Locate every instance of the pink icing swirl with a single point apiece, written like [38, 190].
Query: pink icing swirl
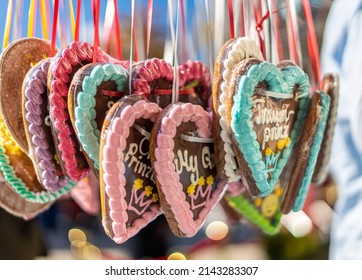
[62, 68]
[35, 88]
[194, 71]
[113, 170]
[152, 70]
[169, 179]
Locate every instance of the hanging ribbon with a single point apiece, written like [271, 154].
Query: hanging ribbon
[32, 18]
[131, 46]
[44, 20]
[209, 40]
[118, 30]
[175, 85]
[149, 25]
[242, 19]
[231, 19]
[277, 44]
[72, 19]
[77, 20]
[8, 24]
[183, 30]
[312, 45]
[54, 27]
[96, 8]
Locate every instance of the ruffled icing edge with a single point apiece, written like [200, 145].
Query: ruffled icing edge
[315, 148]
[242, 126]
[241, 49]
[113, 184]
[61, 68]
[88, 131]
[151, 70]
[16, 183]
[167, 177]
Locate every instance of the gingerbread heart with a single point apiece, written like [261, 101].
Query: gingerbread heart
[331, 87]
[194, 83]
[94, 89]
[18, 171]
[266, 111]
[16, 60]
[182, 157]
[291, 188]
[307, 153]
[18, 206]
[61, 71]
[128, 190]
[152, 79]
[42, 150]
[233, 52]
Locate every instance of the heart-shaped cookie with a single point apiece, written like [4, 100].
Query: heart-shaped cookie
[128, 190]
[233, 51]
[194, 83]
[94, 89]
[331, 87]
[18, 206]
[306, 153]
[42, 150]
[152, 79]
[16, 60]
[182, 157]
[291, 188]
[61, 71]
[18, 171]
[266, 111]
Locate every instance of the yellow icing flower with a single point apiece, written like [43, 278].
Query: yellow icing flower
[201, 181]
[258, 201]
[155, 197]
[191, 189]
[278, 191]
[148, 190]
[7, 141]
[210, 180]
[56, 159]
[287, 141]
[138, 184]
[281, 144]
[268, 152]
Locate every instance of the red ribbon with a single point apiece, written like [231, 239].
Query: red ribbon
[312, 45]
[96, 7]
[111, 93]
[77, 20]
[54, 27]
[161, 91]
[135, 40]
[118, 30]
[231, 19]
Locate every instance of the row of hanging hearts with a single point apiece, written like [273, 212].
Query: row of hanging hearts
[81, 132]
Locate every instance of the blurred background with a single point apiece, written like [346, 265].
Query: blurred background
[65, 231]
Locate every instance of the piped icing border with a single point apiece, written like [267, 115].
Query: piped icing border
[167, 176]
[85, 114]
[314, 151]
[241, 49]
[63, 67]
[7, 144]
[281, 81]
[113, 166]
[332, 90]
[152, 69]
[35, 87]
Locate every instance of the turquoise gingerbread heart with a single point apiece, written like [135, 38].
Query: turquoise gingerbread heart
[268, 112]
[85, 112]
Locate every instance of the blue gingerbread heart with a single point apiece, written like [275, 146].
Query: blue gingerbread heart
[267, 112]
